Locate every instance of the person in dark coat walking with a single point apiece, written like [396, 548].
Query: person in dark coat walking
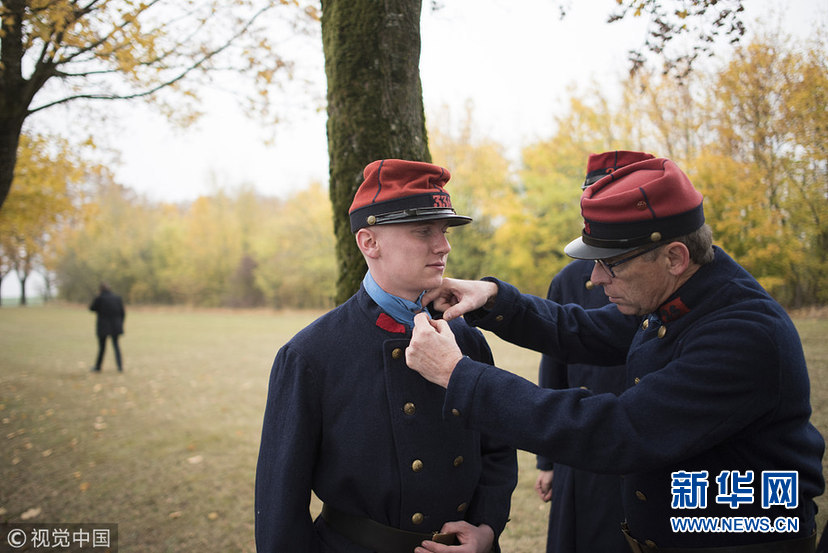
[109, 308]
[347, 420]
[712, 433]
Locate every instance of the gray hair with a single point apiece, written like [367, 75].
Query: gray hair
[699, 243]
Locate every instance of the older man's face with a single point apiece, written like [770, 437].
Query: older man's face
[640, 285]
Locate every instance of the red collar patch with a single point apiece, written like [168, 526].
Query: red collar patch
[387, 323]
[672, 310]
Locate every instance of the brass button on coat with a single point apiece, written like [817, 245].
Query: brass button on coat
[417, 465]
[662, 331]
[637, 380]
[458, 460]
[462, 507]
[499, 318]
[417, 518]
[640, 495]
[409, 408]
[455, 412]
[397, 353]
[645, 324]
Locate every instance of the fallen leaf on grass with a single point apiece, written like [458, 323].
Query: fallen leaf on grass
[213, 516]
[30, 513]
[194, 460]
[83, 486]
[176, 514]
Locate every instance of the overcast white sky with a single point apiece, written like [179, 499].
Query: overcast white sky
[513, 60]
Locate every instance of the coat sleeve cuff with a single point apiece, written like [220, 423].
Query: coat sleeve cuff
[500, 312]
[460, 391]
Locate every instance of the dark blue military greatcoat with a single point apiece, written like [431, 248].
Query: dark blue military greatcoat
[346, 418]
[585, 512]
[716, 380]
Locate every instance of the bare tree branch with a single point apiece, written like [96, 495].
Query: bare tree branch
[196, 65]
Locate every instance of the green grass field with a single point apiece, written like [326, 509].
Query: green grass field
[168, 449]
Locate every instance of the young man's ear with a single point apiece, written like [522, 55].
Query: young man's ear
[367, 243]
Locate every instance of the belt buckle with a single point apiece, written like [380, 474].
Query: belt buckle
[445, 539]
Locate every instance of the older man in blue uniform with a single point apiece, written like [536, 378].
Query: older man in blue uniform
[346, 419]
[712, 434]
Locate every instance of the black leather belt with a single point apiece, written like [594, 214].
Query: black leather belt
[378, 537]
[796, 545]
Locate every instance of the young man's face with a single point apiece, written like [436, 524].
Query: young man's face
[410, 257]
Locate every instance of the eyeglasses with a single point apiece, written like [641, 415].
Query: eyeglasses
[609, 266]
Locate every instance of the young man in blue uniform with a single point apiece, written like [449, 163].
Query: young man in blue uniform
[585, 507]
[346, 419]
[712, 434]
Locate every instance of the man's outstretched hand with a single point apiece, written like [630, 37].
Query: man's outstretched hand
[457, 297]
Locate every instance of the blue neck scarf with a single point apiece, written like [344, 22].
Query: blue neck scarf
[401, 310]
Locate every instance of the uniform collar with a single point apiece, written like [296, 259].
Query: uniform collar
[399, 309]
[692, 293]
[672, 310]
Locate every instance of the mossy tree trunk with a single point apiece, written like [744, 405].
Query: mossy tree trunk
[375, 105]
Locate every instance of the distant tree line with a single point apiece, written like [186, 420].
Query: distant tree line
[751, 134]
[230, 249]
